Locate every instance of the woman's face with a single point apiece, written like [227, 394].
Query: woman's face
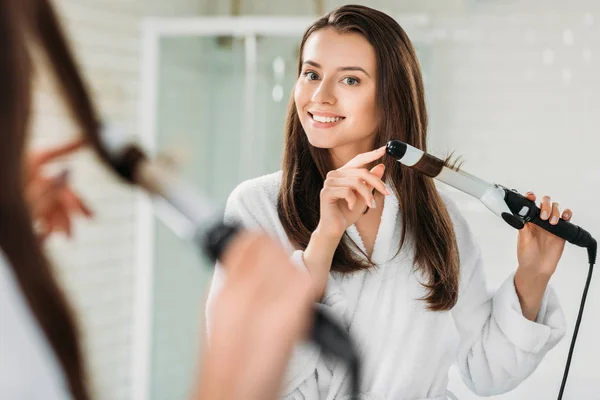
[335, 92]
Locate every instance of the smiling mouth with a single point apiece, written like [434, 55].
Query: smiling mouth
[326, 120]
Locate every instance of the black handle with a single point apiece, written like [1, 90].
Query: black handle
[333, 339]
[217, 239]
[529, 212]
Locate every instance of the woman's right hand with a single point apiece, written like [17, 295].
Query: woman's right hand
[262, 310]
[347, 192]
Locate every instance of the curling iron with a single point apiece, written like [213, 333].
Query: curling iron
[515, 209]
[194, 218]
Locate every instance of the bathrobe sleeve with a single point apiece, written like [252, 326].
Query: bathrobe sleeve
[499, 347]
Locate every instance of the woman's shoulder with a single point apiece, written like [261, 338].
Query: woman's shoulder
[254, 202]
[257, 191]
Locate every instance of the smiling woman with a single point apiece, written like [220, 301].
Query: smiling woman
[335, 94]
[407, 277]
[358, 64]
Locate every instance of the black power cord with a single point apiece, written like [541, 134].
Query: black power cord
[592, 249]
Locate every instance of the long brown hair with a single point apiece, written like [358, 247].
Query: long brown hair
[23, 24]
[401, 101]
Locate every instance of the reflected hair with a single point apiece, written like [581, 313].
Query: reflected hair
[27, 26]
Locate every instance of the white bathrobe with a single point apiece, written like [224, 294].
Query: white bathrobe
[29, 369]
[406, 350]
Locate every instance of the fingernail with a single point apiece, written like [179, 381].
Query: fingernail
[554, 220]
[544, 214]
[373, 204]
[567, 215]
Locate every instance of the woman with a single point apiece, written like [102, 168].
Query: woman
[387, 253]
[41, 356]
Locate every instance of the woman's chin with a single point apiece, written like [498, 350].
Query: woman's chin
[322, 141]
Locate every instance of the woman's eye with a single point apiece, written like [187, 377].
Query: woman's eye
[311, 76]
[351, 81]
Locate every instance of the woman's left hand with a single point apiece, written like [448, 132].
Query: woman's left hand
[52, 200]
[538, 251]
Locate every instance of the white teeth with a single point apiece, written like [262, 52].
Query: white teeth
[319, 118]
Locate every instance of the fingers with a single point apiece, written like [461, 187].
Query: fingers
[44, 156]
[365, 158]
[48, 194]
[356, 178]
[43, 197]
[378, 170]
[61, 222]
[372, 178]
[550, 211]
[332, 194]
[351, 182]
[42, 189]
[338, 188]
[530, 196]
[53, 204]
[44, 231]
[56, 220]
[74, 204]
[555, 214]
[545, 208]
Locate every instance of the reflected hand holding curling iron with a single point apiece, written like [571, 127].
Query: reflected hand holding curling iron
[194, 218]
[512, 207]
